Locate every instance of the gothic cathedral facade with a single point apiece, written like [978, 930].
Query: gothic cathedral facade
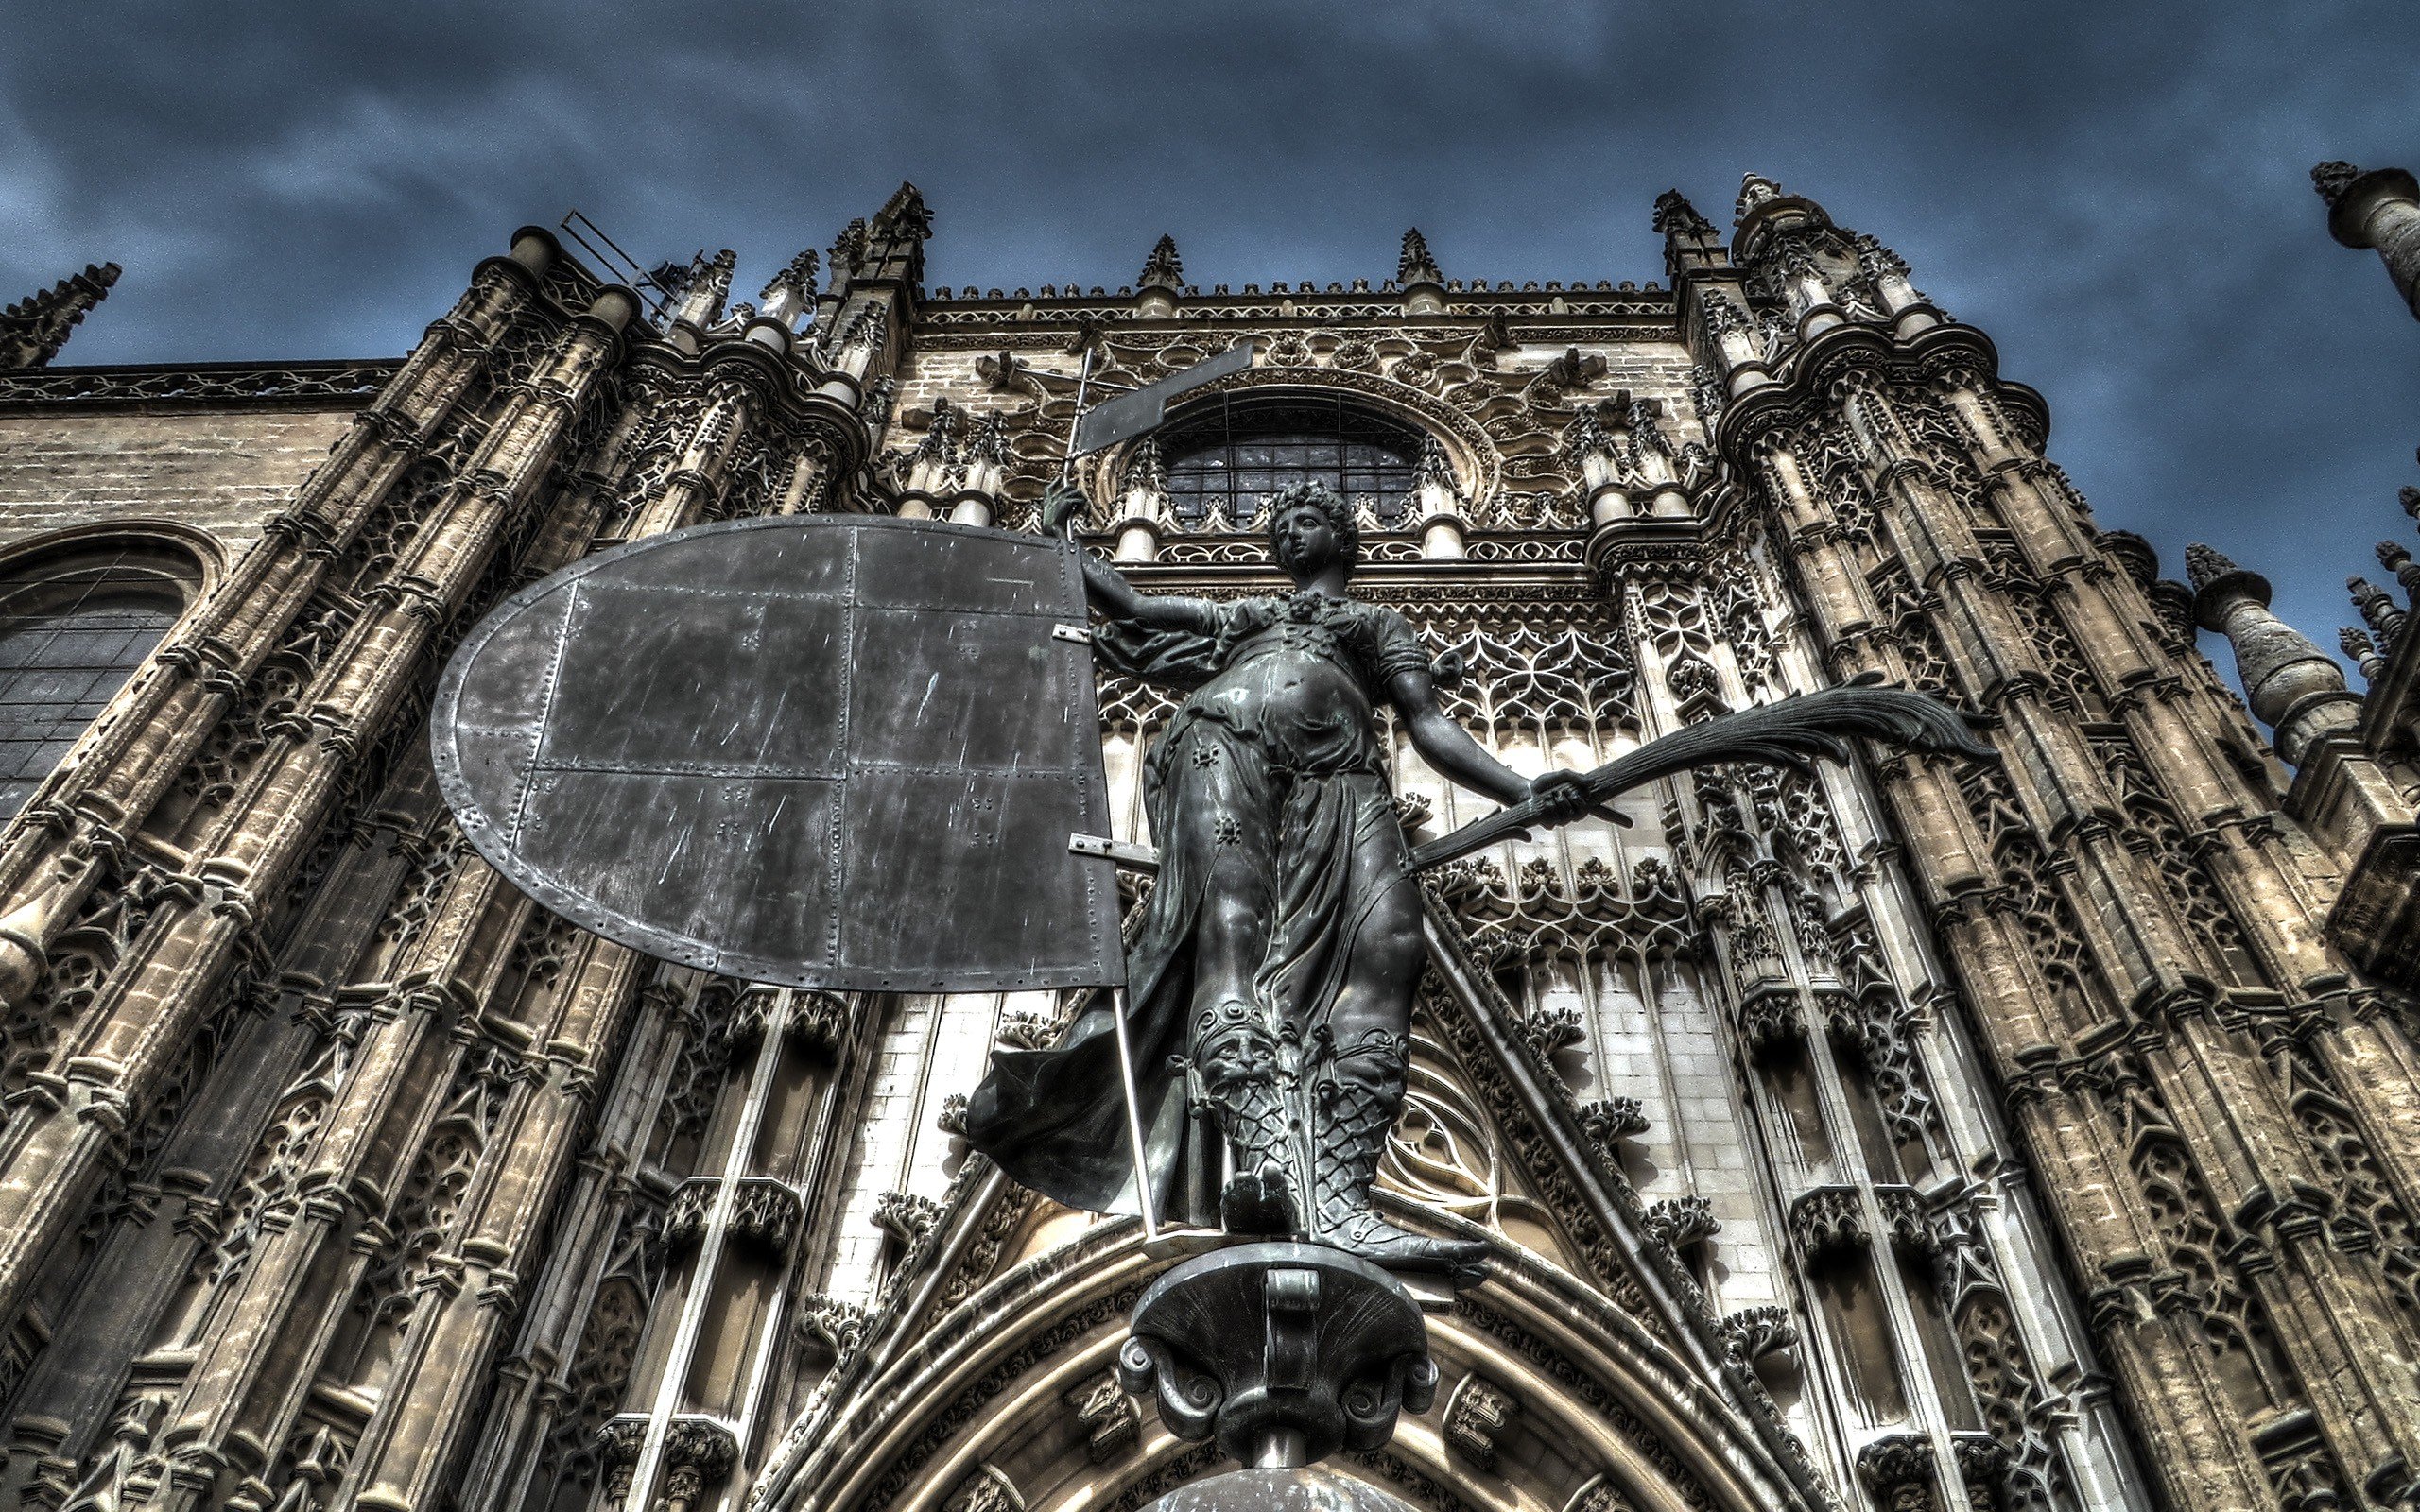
[1909, 1135]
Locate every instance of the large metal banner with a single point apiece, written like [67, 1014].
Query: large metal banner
[825, 750]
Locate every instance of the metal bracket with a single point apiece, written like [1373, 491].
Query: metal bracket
[1132, 857]
[1071, 632]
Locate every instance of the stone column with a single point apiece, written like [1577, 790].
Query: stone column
[55, 1150]
[2293, 686]
[2078, 1148]
[1417, 275]
[1141, 504]
[456, 1329]
[736, 1230]
[2379, 209]
[242, 1388]
[170, 709]
[1440, 505]
[985, 462]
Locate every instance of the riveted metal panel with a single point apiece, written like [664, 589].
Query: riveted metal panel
[824, 750]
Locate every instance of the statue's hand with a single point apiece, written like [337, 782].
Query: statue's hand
[1062, 501]
[1562, 796]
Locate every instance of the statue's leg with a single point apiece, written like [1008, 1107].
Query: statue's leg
[1361, 1094]
[1220, 820]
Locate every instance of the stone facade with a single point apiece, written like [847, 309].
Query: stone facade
[1905, 1135]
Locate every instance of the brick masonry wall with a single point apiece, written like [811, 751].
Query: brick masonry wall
[220, 470]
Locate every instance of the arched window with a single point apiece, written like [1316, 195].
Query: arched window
[74, 624]
[1233, 453]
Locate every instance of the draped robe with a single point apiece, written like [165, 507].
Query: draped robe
[1273, 761]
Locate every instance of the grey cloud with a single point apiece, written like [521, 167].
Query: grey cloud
[2117, 194]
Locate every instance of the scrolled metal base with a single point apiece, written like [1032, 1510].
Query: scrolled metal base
[1282, 1353]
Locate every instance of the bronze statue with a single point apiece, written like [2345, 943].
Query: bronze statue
[1273, 978]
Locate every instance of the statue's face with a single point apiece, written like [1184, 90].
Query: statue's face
[1306, 543]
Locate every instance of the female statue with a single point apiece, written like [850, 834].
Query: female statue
[1271, 985]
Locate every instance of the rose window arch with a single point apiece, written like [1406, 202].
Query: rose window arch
[1224, 459]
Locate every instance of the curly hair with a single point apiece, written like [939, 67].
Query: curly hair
[1317, 495]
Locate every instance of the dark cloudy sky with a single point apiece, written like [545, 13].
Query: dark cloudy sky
[2117, 192]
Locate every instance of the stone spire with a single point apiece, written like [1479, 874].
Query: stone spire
[2292, 686]
[2332, 179]
[1162, 269]
[2378, 609]
[1768, 220]
[33, 329]
[2409, 498]
[903, 216]
[1754, 189]
[1690, 240]
[1417, 275]
[1673, 216]
[1160, 282]
[2364, 652]
[890, 248]
[2394, 559]
[708, 286]
[790, 290]
[880, 260]
[2380, 210]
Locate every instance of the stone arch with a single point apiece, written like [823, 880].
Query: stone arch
[199, 556]
[80, 611]
[997, 1390]
[1478, 466]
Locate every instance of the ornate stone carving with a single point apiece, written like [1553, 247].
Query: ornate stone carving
[1161, 269]
[1769, 1015]
[1898, 1470]
[1107, 1415]
[698, 1452]
[905, 1216]
[819, 1022]
[33, 329]
[1600, 1495]
[1754, 1332]
[1825, 1220]
[1610, 1119]
[986, 1488]
[1681, 1222]
[1595, 918]
[1551, 1031]
[831, 1326]
[766, 1213]
[1983, 1466]
[1477, 1417]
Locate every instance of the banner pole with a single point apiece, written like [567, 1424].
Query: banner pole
[1143, 1194]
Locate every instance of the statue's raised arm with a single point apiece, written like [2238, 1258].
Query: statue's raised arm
[1107, 590]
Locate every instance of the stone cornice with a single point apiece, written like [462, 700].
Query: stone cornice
[319, 385]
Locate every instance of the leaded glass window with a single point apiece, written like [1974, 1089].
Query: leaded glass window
[73, 628]
[1230, 455]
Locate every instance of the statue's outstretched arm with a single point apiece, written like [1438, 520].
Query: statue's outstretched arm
[1449, 748]
[1107, 589]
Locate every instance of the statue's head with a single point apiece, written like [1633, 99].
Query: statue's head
[1309, 527]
